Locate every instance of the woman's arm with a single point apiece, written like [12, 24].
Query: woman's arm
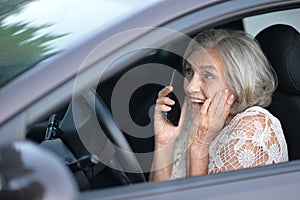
[204, 130]
[165, 136]
[162, 163]
[198, 160]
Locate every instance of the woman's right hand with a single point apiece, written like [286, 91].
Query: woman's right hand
[165, 132]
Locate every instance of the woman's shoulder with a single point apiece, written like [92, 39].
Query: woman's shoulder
[257, 114]
[256, 122]
[255, 111]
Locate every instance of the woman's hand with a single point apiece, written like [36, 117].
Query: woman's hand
[212, 117]
[165, 135]
[205, 128]
[165, 132]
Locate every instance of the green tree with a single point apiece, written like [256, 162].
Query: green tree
[9, 6]
[21, 47]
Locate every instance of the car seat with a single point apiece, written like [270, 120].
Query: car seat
[281, 45]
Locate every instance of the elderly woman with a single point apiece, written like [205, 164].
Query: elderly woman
[223, 125]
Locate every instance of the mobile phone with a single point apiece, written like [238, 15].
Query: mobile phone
[173, 115]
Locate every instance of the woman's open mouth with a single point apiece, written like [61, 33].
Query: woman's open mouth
[197, 103]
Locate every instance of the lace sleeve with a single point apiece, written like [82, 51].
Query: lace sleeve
[253, 139]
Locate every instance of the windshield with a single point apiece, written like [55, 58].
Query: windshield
[33, 30]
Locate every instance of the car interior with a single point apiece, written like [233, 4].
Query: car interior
[283, 57]
[70, 132]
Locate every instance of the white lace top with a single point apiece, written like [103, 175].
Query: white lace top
[252, 138]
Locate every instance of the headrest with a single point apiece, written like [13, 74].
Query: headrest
[281, 45]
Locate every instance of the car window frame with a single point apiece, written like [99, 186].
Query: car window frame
[183, 25]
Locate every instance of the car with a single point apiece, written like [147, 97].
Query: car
[79, 82]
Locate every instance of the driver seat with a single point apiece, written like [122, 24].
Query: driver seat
[281, 45]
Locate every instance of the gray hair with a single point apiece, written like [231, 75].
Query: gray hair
[247, 70]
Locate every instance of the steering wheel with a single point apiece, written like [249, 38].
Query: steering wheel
[124, 155]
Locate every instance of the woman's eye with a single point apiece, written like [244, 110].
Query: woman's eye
[209, 76]
[188, 71]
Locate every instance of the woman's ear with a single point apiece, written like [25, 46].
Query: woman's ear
[234, 107]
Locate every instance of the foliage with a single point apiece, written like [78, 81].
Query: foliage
[21, 45]
[9, 6]
[20, 41]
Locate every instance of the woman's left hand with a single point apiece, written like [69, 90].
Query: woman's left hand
[212, 118]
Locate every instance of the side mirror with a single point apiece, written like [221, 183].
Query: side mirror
[28, 171]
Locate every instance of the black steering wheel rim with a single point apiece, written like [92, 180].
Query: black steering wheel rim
[124, 153]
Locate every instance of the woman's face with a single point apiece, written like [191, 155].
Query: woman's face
[203, 77]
